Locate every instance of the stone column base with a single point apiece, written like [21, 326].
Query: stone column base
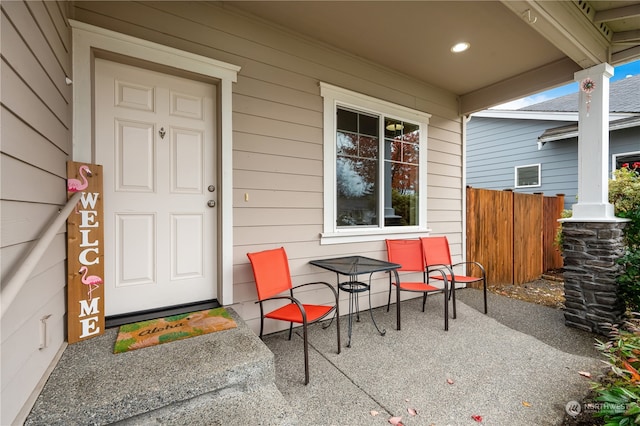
[590, 251]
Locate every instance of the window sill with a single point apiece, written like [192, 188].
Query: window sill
[345, 237]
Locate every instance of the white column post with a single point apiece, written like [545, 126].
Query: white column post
[593, 145]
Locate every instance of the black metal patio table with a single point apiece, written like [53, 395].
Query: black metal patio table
[352, 266]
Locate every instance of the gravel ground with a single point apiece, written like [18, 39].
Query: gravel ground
[547, 291]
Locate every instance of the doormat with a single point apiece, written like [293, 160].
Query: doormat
[176, 327]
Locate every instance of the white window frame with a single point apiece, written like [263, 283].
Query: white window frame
[614, 158]
[515, 175]
[334, 97]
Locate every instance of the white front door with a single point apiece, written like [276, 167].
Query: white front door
[155, 137]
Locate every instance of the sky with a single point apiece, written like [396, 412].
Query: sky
[619, 72]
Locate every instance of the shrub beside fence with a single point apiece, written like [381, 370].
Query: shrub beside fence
[512, 234]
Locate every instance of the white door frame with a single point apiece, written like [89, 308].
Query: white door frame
[88, 37]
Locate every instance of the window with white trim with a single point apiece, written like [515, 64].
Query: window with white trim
[630, 160]
[374, 167]
[528, 176]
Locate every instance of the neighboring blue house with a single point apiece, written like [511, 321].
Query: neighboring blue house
[542, 141]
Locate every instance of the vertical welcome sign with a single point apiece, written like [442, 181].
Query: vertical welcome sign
[85, 258]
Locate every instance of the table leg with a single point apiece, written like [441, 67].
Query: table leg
[383, 331]
[351, 308]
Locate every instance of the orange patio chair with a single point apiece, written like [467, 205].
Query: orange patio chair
[273, 281]
[408, 253]
[437, 255]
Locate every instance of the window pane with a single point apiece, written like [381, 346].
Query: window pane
[368, 147]
[401, 173]
[347, 120]
[368, 125]
[528, 176]
[401, 202]
[357, 169]
[357, 197]
[410, 153]
[411, 132]
[347, 144]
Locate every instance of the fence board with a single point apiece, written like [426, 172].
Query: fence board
[490, 233]
[512, 234]
[553, 207]
[527, 230]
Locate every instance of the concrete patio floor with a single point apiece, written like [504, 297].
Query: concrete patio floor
[519, 365]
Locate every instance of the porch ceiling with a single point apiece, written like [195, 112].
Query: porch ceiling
[517, 47]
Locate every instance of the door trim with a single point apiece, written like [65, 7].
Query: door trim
[86, 39]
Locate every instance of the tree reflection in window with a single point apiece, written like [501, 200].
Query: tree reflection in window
[361, 194]
[357, 168]
[402, 151]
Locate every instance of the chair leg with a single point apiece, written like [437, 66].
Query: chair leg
[338, 324]
[446, 306]
[306, 354]
[290, 330]
[453, 290]
[484, 282]
[424, 300]
[261, 326]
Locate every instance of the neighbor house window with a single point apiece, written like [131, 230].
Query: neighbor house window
[630, 160]
[527, 176]
[375, 167]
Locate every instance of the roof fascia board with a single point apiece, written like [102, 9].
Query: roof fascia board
[527, 115]
[625, 56]
[540, 115]
[573, 133]
[566, 27]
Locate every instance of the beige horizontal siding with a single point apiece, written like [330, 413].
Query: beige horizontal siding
[253, 179]
[278, 134]
[33, 184]
[33, 73]
[36, 142]
[38, 40]
[23, 102]
[21, 142]
[22, 221]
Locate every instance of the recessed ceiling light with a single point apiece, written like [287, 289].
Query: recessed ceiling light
[460, 47]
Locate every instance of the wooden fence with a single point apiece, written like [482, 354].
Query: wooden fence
[511, 234]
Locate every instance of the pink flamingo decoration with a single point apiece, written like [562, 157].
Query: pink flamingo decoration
[75, 185]
[93, 281]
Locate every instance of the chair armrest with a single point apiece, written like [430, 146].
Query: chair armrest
[472, 263]
[438, 267]
[335, 293]
[444, 276]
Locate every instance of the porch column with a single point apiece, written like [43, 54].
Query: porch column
[593, 236]
[593, 145]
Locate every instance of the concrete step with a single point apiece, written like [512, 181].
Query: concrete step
[204, 380]
[263, 405]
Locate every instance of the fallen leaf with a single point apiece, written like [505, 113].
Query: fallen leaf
[526, 404]
[584, 373]
[396, 421]
[450, 381]
[477, 418]
[412, 411]
[374, 413]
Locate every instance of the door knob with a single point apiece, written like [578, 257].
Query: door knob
[211, 203]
